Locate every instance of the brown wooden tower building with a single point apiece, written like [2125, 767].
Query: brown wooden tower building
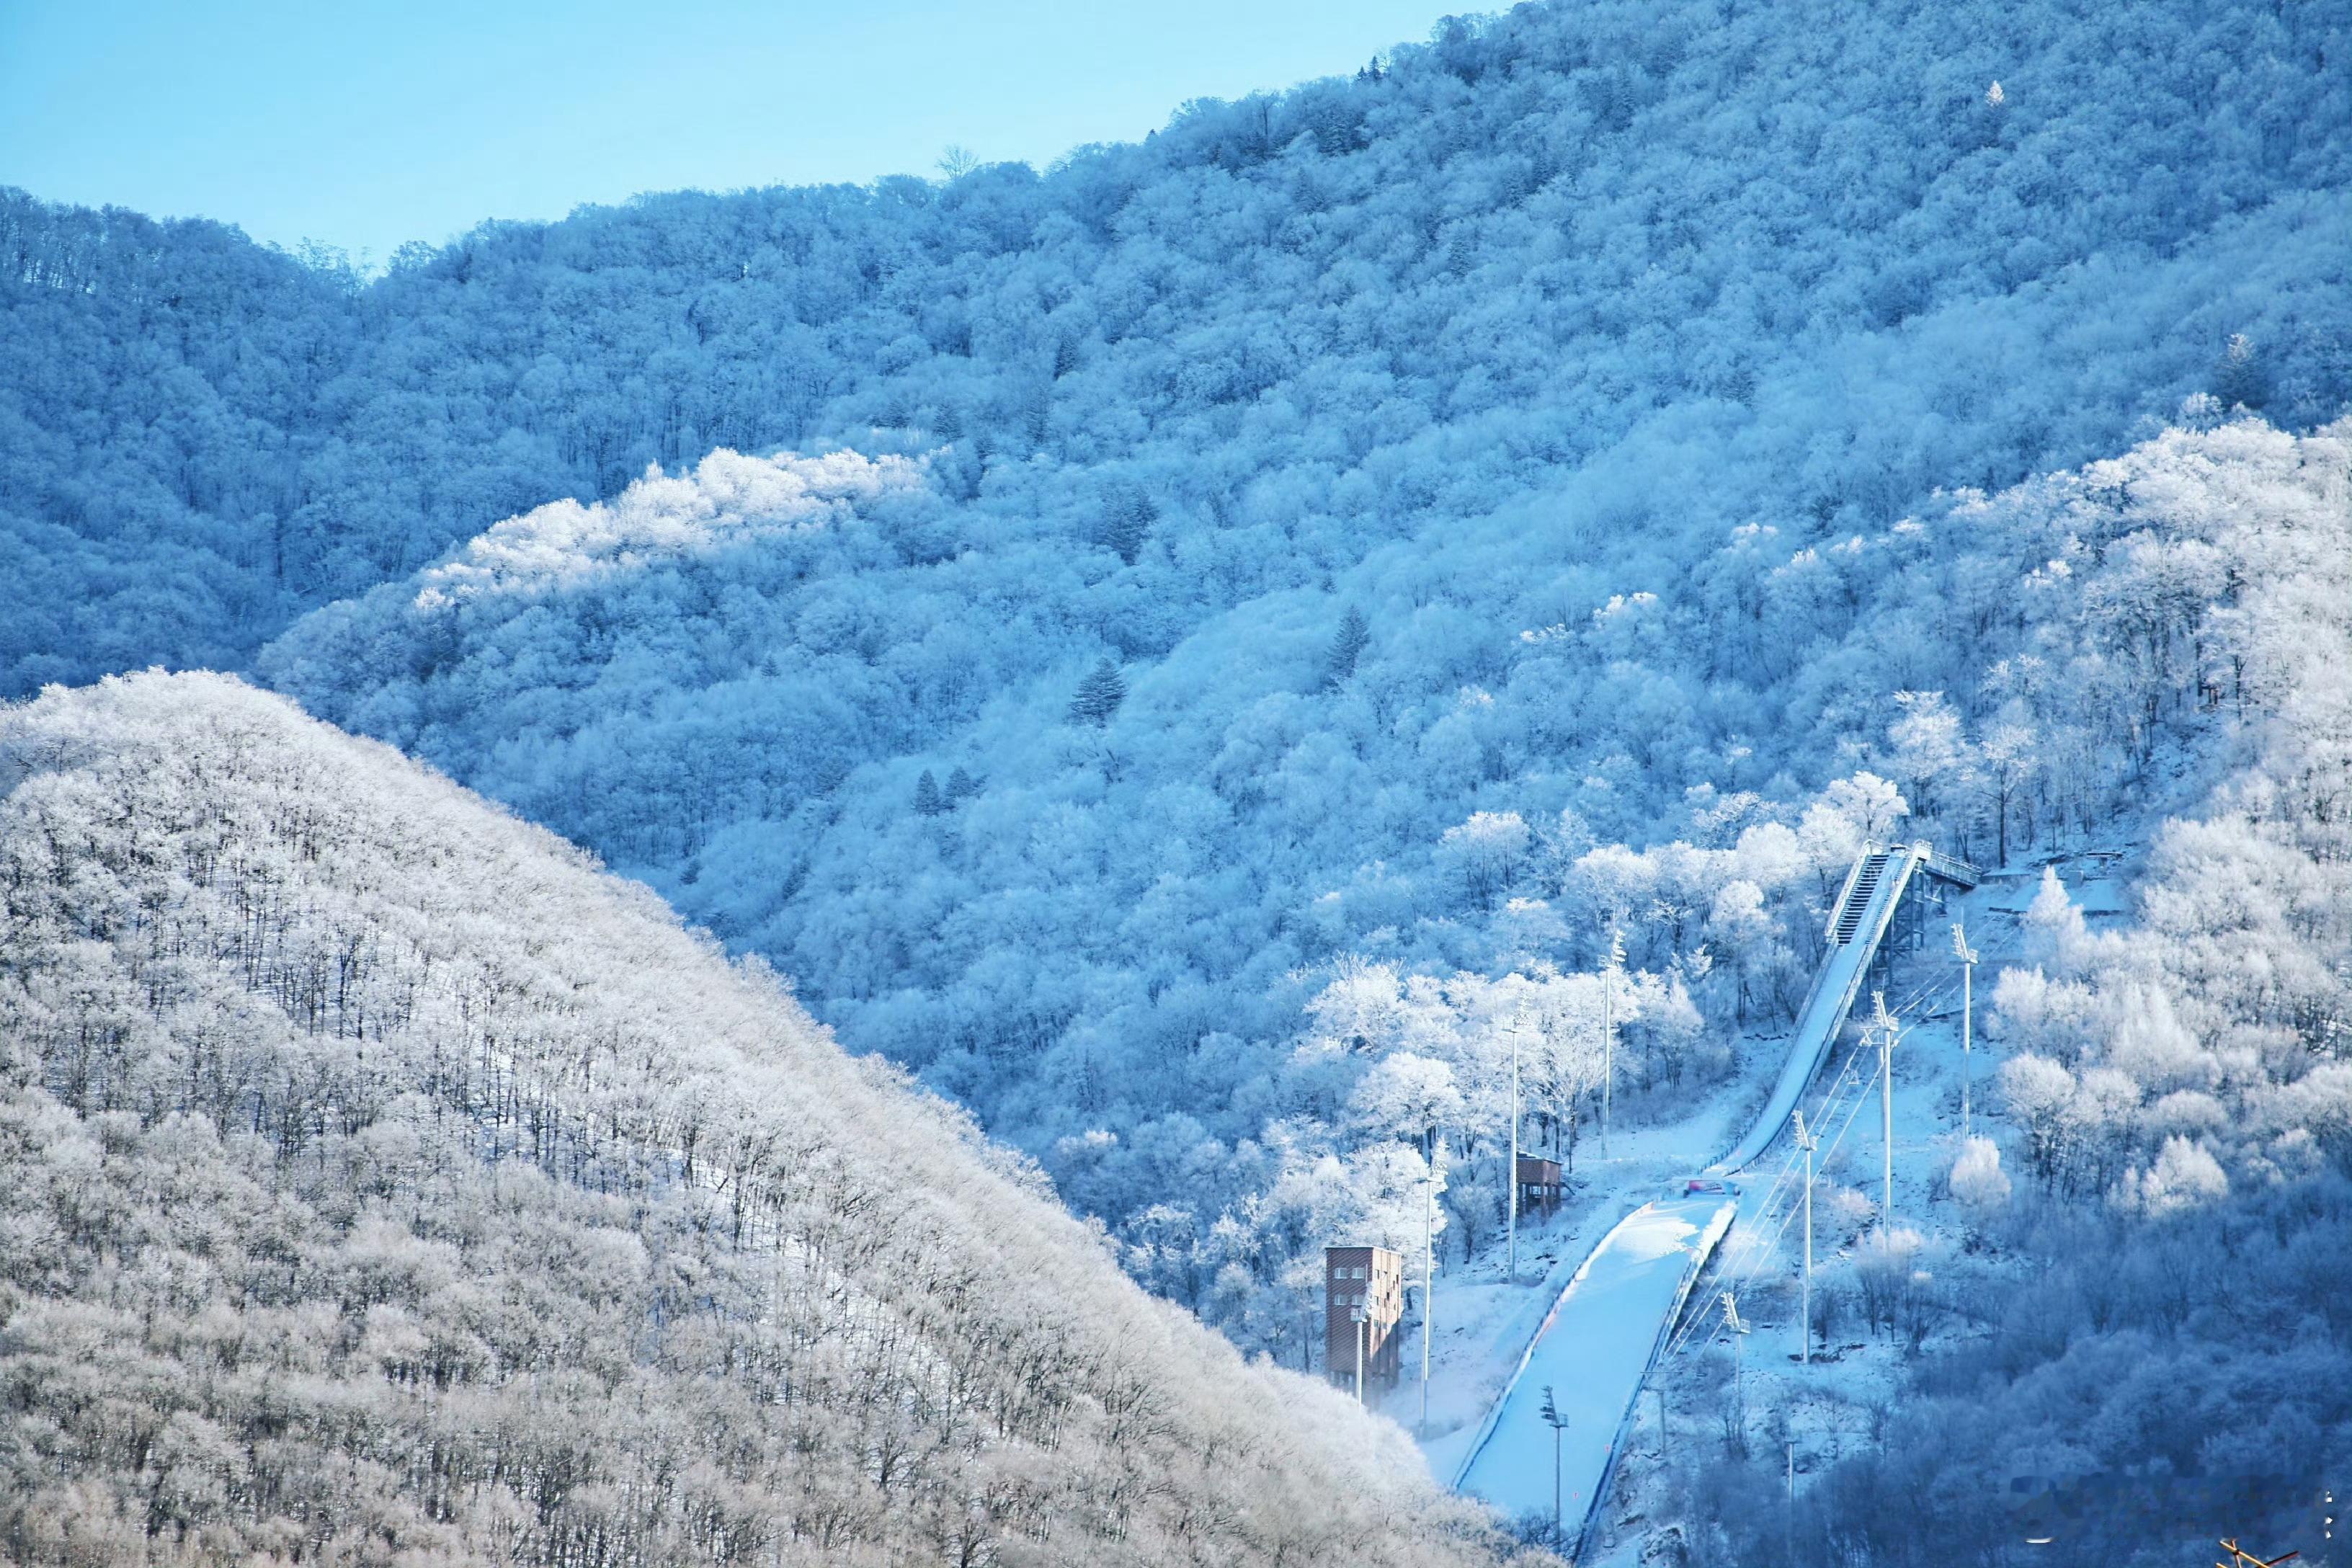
[1541, 1185]
[1370, 1279]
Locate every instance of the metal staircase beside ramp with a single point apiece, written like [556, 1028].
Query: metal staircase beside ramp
[1859, 889]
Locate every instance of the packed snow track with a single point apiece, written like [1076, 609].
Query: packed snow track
[1591, 1354]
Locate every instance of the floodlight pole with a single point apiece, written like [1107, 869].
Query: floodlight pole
[1968, 957]
[1807, 1142]
[1886, 1120]
[1558, 1423]
[1609, 1033]
[1428, 1271]
[1512, 1267]
[1788, 1537]
[1884, 1024]
[1738, 1338]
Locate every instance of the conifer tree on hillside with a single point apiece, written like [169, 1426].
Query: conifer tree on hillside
[928, 802]
[1347, 647]
[1126, 521]
[1099, 695]
[2237, 379]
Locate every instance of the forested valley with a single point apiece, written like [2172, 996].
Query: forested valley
[1180, 653]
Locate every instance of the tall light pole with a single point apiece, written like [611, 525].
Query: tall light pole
[1807, 1142]
[1558, 1423]
[1789, 1528]
[1884, 1022]
[1967, 957]
[1429, 1267]
[1512, 1266]
[1738, 1327]
[1609, 1031]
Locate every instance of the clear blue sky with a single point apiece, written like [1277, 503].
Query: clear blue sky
[363, 124]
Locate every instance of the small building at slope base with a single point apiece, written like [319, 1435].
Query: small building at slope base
[1540, 1185]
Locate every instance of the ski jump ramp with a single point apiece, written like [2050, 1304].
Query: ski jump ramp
[1593, 1352]
[1858, 922]
[1596, 1346]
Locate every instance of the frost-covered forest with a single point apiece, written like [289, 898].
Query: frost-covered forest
[1189, 653]
[1266, 590]
[386, 1185]
[2155, 1285]
[1153, 945]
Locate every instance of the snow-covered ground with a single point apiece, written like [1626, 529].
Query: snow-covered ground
[1485, 1322]
[1587, 1362]
[1589, 1349]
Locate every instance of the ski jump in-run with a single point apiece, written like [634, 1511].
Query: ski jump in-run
[1608, 1327]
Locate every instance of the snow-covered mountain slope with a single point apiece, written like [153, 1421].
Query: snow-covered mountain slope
[2110, 1313]
[1854, 252]
[1204, 653]
[1320, 527]
[1257, 916]
[2106, 1315]
[386, 1183]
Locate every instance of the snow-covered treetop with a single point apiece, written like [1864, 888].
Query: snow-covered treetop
[727, 499]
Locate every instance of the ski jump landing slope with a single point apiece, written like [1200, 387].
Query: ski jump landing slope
[1596, 1346]
[1592, 1352]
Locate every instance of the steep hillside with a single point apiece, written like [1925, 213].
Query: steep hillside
[2176, 1088]
[1816, 246]
[161, 411]
[1324, 527]
[1230, 658]
[1263, 912]
[386, 1185]
[1295, 551]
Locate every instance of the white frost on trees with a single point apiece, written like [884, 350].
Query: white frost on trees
[486, 1167]
[1977, 1178]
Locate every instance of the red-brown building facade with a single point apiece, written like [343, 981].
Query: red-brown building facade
[1541, 1185]
[1372, 1279]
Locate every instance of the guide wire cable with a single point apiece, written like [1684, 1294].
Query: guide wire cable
[1736, 1263]
[1746, 1259]
[1744, 1265]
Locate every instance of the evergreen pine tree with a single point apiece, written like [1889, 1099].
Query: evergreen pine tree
[1354, 636]
[928, 802]
[962, 785]
[1127, 519]
[2239, 379]
[1099, 695]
